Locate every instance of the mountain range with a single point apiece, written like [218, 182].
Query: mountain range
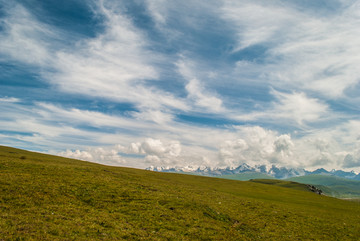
[273, 171]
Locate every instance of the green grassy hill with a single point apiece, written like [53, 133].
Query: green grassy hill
[44, 197]
[282, 183]
[246, 176]
[332, 185]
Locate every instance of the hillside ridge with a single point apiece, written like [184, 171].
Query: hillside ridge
[44, 197]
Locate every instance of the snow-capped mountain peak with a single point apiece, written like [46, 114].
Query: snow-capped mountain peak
[277, 172]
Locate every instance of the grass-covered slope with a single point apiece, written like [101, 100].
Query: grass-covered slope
[282, 183]
[332, 185]
[45, 197]
[246, 176]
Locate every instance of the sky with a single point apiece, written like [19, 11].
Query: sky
[142, 83]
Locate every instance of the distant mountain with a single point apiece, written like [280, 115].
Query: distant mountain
[283, 172]
[321, 171]
[336, 183]
[205, 171]
[273, 171]
[349, 175]
[357, 177]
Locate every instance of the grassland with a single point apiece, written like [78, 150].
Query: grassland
[332, 185]
[44, 197]
[246, 176]
[281, 183]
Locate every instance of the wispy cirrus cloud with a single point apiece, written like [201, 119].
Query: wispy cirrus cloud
[257, 23]
[299, 107]
[304, 51]
[174, 144]
[196, 91]
[9, 99]
[24, 38]
[181, 83]
[296, 109]
[114, 65]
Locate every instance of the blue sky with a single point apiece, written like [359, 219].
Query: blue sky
[178, 83]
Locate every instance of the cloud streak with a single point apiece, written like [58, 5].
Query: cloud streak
[157, 84]
[21, 41]
[304, 51]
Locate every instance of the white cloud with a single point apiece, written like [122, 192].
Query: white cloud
[255, 23]
[291, 109]
[155, 160]
[186, 13]
[115, 64]
[52, 126]
[9, 99]
[351, 161]
[24, 38]
[298, 107]
[304, 51]
[158, 10]
[77, 116]
[232, 146]
[197, 93]
[155, 149]
[107, 156]
[231, 152]
[311, 56]
[156, 116]
[283, 144]
[77, 154]
[255, 145]
[112, 65]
